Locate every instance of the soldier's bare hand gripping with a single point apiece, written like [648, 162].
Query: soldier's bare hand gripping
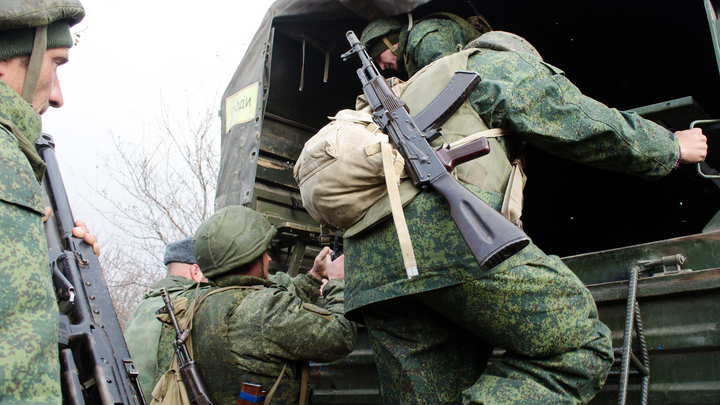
[324, 267]
[81, 231]
[693, 145]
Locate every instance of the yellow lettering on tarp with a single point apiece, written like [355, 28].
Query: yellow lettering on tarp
[240, 107]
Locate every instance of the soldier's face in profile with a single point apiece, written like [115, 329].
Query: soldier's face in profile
[386, 60]
[48, 93]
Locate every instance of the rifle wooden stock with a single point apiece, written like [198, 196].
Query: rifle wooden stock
[485, 230]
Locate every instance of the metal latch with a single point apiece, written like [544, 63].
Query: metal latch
[670, 265]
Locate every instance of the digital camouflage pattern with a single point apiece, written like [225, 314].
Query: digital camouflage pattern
[536, 101]
[250, 334]
[29, 365]
[143, 329]
[554, 354]
[436, 36]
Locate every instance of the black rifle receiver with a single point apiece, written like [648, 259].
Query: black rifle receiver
[490, 236]
[95, 365]
[197, 390]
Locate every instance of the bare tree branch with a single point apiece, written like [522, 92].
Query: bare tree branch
[162, 189]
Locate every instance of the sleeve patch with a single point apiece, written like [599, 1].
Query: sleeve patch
[314, 309]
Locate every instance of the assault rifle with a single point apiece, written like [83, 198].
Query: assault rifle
[490, 236]
[95, 365]
[197, 391]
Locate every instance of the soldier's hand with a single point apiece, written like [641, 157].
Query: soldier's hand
[319, 269]
[81, 231]
[48, 212]
[336, 268]
[693, 145]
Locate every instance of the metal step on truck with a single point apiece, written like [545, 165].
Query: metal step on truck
[649, 252]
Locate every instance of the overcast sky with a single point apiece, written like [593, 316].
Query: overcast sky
[130, 55]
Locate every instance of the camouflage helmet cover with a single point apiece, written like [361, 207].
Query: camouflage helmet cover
[29, 27]
[230, 239]
[373, 34]
[37, 13]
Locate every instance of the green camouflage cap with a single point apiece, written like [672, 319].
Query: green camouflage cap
[29, 27]
[38, 13]
[230, 239]
[372, 36]
[18, 20]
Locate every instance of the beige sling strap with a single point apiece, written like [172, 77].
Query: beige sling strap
[488, 133]
[513, 199]
[397, 212]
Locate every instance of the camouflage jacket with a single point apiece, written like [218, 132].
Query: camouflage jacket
[29, 365]
[542, 107]
[143, 329]
[248, 334]
[436, 36]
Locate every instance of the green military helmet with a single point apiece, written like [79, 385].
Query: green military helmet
[230, 239]
[29, 27]
[380, 35]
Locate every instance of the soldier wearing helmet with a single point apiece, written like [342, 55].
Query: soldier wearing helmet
[34, 41]
[394, 46]
[432, 334]
[258, 328]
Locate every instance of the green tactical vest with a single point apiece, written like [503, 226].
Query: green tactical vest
[490, 172]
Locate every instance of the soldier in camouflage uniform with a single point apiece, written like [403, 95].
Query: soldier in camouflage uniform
[260, 326]
[29, 366]
[395, 47]
[432, 334]
[142, 332]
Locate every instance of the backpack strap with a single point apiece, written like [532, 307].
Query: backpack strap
[304, 377]
[196, 302]
[270, 393]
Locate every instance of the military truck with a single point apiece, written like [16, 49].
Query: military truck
[648, 251]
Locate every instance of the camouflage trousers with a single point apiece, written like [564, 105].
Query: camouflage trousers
[433, 347]
[29, 365]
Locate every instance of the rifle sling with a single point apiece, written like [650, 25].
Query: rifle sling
[397, 212]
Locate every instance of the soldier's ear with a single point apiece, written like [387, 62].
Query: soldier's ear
[196, 274]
